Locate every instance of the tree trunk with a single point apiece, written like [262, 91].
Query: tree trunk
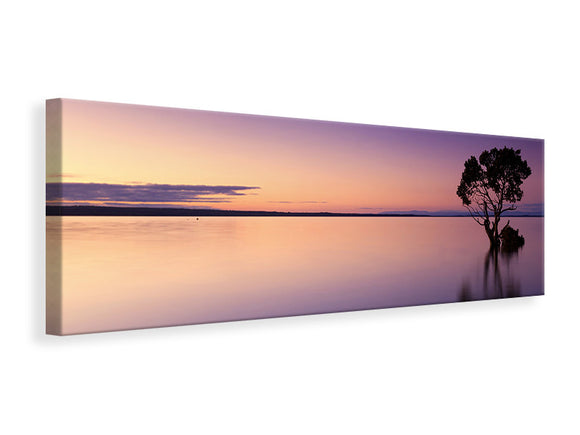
[496, 228]
[492, 234]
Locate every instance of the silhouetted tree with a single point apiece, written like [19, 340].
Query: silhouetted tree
[491, 186]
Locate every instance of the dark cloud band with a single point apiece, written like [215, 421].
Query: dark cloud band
[158, 193]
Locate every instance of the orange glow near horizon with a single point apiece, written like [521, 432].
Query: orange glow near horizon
[298, 165]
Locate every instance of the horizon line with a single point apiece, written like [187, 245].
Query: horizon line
[97, 210]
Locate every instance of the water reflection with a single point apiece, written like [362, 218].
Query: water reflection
[132, 272]
[498, 279]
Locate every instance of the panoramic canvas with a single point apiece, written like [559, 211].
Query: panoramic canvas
[160, 217]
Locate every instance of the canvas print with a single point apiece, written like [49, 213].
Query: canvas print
[162, 217]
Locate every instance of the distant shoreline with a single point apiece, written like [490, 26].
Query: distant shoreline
[52, 210]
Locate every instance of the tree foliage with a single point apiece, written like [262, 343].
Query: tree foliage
[491, 186]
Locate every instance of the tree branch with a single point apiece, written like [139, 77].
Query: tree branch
[477, 216]
[510, 208]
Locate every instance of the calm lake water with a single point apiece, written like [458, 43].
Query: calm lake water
[136, 272]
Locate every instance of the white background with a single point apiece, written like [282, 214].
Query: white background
[496, 367]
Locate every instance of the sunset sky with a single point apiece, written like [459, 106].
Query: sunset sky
[119, 154]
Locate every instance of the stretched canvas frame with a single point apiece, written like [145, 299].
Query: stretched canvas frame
[162, 217]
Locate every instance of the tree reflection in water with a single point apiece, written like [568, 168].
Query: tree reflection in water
[497, 281]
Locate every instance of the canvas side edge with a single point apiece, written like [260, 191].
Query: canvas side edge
[53, 138]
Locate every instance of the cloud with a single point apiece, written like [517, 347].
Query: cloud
[537, 207]
[58, 175]
[298, 202]
[142, 193]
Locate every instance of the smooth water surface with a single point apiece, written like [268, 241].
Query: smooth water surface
[136, 272]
